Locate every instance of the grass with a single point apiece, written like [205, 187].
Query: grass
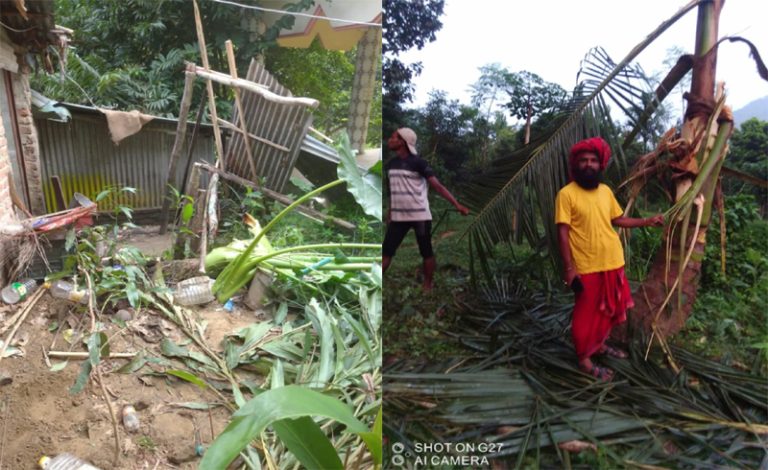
[146, 442]
[417, 321]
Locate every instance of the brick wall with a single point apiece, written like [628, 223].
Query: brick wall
[29, 141]
[6, 208]
[8, 62]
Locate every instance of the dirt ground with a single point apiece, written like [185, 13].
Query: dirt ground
[39, 416]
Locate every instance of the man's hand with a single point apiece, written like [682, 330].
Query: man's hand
[655, 221]
[388, 217]
[569, 275]
[463, 210]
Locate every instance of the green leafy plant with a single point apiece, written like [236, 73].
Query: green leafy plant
[287, 409]
[184, 204]
[365, 188]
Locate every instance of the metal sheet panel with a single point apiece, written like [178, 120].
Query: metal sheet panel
[283, 124]
[82, 155]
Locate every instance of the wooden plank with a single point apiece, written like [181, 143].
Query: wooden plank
[240, 115]
[178, 144]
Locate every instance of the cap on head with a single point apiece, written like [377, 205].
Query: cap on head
[410, 139]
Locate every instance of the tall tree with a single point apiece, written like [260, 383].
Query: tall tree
[529, 96]
[489, 88]
[407, 24]
[487, 92]
[446, 128]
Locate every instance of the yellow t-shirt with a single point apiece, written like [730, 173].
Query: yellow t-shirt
[595, 245]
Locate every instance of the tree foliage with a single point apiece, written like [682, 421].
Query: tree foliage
[488, 90]
[524, 94]
[407, 24]
[748, 150]
[529, 95]
[130, 54]
[326, 76]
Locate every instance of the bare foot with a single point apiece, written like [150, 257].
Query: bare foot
[613, 352]
[602, 373]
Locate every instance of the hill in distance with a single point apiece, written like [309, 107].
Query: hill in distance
[757, 109]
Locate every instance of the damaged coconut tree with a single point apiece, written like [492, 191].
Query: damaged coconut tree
[526, 182]
[692, 159]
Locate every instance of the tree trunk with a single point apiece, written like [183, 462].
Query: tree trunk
[528, 125]
[654, 291]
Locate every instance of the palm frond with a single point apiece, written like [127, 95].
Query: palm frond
[526, 183]
[527, 395]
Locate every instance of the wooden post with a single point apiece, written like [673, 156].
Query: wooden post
[209, 87]
[197, 225]
[240, 115]
[178, 144]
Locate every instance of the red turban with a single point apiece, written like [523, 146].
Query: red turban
[594, 145]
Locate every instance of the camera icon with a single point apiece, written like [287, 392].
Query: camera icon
[398, 460]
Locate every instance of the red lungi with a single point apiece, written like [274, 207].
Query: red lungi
[599, 307]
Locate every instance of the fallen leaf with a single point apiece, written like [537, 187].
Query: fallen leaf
[506, 429]
[59, 366]
[577, 446]
[68, 335]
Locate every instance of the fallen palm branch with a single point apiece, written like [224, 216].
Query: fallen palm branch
[528, 396]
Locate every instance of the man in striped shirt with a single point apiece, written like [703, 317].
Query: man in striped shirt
[408, 175]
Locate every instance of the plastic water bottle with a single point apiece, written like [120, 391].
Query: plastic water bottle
[66, 290]
[194, 291]
[130, 419]
[18, 291]
[64, 462]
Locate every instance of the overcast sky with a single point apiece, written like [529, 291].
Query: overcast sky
[550, 37]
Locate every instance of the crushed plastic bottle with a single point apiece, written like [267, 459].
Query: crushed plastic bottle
[64, 462]
[194, 291]
[18, 291]
[66, 290]
[130, 419]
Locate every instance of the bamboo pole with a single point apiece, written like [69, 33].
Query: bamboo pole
[220, 162]
[281, 198]
[320, 134]
[240, 115]
[253, 87]
[178, 144]
[27, 308]
[84, 355]
[209, 86]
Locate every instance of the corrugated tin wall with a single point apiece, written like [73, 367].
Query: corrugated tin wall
[282, 124]
[82, 154]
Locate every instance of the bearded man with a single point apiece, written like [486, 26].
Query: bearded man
[593, 259]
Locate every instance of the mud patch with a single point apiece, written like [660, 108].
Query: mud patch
[38, 415]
